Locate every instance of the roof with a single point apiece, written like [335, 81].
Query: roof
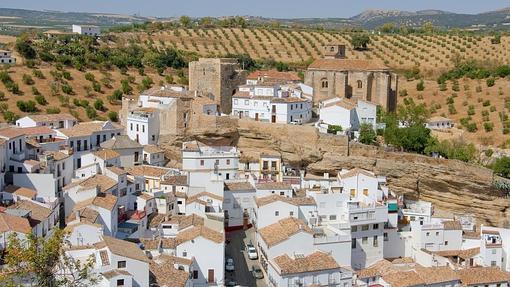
[282, 230]
[343, 103]
[185, 221]
[346, 65]
[482, 275]
[106, 154]
[240, 94]
[239, 186]
[289, 100]
[313, 262]
[439, 119]
[114, 273]
[87, 215]
[52, 117]
[23, 191]
[13, 132]
[116, 170]
[181, 180]
[87, 128]
[452, 225]
[403, 279]
[147, 170]
[196, 197]
[273, 185]
[166, 92]
[120, 142]
[57, 155]
[273, 74]
[122, 248]
[298, 201]
[152, 149]
[105, 200]
[38, 212]
[464, 254]
[14, 223]
[435, 275]
[165, 274]
[203, 231]
[103, 182]
[356, 172]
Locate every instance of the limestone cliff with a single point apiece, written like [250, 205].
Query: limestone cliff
[450, 185]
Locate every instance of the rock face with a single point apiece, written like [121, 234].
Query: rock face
[450, 185]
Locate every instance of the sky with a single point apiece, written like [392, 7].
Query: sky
[265, 8]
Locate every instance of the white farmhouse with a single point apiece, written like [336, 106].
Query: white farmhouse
[54, 121]
[7, 58]
[437, 123]
[87, 30]
[348, 114]
[143, 126]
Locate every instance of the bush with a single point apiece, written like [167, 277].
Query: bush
[99, 105]
[2, 96]
[113, 116]
[24, 47]
[10, 117]
[502, 166]
[488, 127]
[125, 87]
[90, 77]
[27, 106]
[420, 86]
[333, 129]
[53, 110]
[91, 112]
[146, 83]
[67, 89]
[471, 127]
[367, 134]
[67, 75]
[491, 82]
[486, 103]
[41, 100]
[97, 87]
[403, 93]
[27, 79]
[81, 103]
[38, 74]
[458, 150]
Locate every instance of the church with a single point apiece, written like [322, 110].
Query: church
[336, 76]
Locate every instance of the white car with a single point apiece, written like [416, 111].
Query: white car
[252, 252]
[229, 266]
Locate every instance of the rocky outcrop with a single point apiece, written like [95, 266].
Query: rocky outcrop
[450, 185]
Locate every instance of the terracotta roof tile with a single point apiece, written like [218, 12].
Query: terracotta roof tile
[120, 142]
[152, 149]
[203, 231]
[38, 211]
[282, 230]
[274, 74]
[273, 185]
[14, 223]
[314, 262]
[147, 170]
[452, 225]
[181, 180]
[239, 186]
[114, 273]
[88, 128]
[298, 201]
[106, 201]
[106, 154]
[346, 65]
[122, 248]
[482, 275]
[165, 274]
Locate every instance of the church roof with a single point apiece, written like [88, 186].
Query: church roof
[346, 65]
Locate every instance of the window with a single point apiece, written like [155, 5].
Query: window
[131, 126]
[437, 233]
[201, 162]
[446, 243]
[360, 84]
[276, 213]
[353, 192]
[291, 213]
[364, 240]
[228, 161]
[376, 241]
[121, 264]
[364, 227]
[493, 263]
[246, 102]
[354, 228]
[376, 226]
[120, 282]
[332, 217]
[184, 254]
[143, 128]
[235, 101]
[137, 127]
[353, 243]
[427, 234]
[195, 274]
[282, 192]
[385, 236]
[324, 83]
[365, 191]
[493, 251]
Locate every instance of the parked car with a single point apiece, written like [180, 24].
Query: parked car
[257, 272]
[252, 252]
[229, 266]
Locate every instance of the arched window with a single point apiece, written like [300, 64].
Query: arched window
[360, 84]
[324, 83]
[332, 49]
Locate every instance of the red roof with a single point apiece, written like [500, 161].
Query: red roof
[273, 74]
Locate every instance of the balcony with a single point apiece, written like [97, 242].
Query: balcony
[19, 156]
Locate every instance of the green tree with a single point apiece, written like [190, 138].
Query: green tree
[420, 86]
[502, 166]
[113, 116]
[24, 47]
[99, 105]
[367, 134]
[360, 41]
[388, 28]
[185, 21]
[45, 263]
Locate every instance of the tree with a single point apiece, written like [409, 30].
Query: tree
[99, 105]
[45, 262]
[420, 86]
[502, 166]
[360, 41]
[367, 134]
[185, 21]
[24, 47]
[334, 129]
[388, 28]
[113, 116]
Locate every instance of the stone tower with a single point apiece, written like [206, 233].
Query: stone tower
[218, 77]
[334, 51]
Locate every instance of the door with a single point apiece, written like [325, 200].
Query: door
[273, 118]
[210, 276]
[256, 116]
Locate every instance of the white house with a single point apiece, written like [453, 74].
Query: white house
[7, 58]
[143, 125]
[12, 224]
[131, 152]
[238, 203]
[53, 121]
[87, 30]
[153, 155]
[347, 114]
[437, 123]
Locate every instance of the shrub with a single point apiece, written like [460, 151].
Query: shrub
[97, 87]
[90, 77]
[367, 134]
[67, 75]
[488, 127]
[403, 93]
[333, 129]
[502, 166]
[99, 105]
[486, 103]
[113, 116]
[147, 83]
[53, 110]
[420, 86]
[27, 79]
[38, 74]
[10, 117]
[41, 100]
[91, 112]
[125, 87]
[27, 106]
[67, 89]
[2, 96]
[471, 127]
[491, 82]
[493, 109]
